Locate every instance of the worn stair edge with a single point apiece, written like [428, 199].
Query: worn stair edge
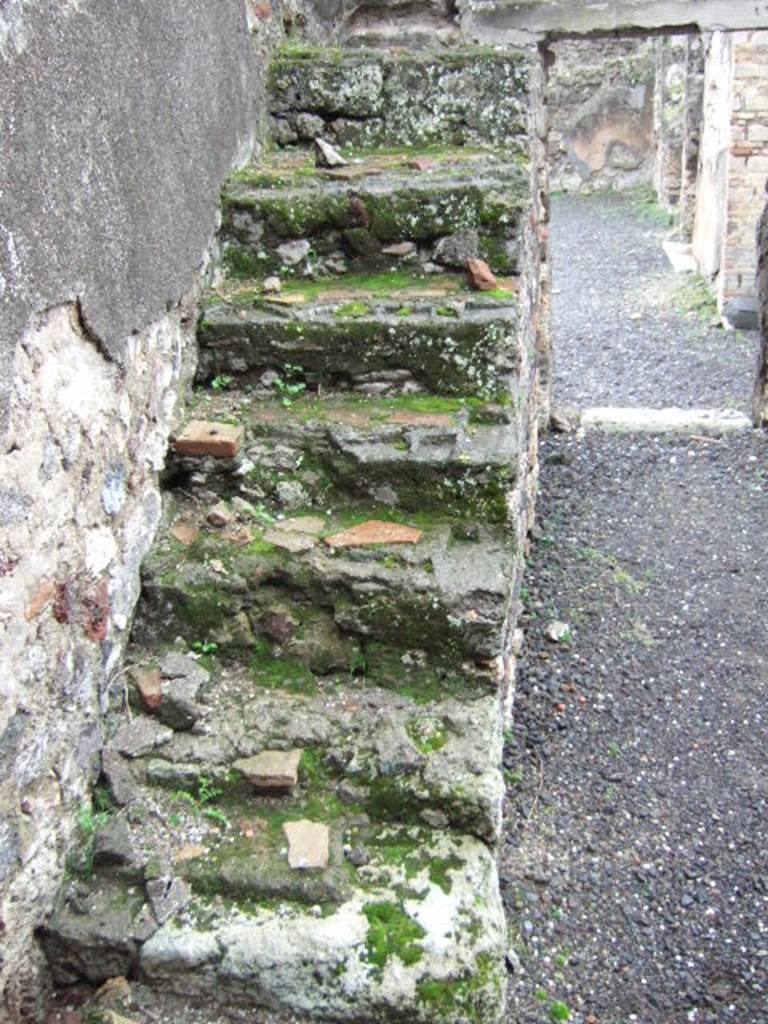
[377, 98]
[459, 462]
[330, 229]
[422, 938]
[472, 353]
[379, 750]
[448, 594]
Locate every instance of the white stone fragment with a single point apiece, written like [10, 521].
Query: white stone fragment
[707, 422]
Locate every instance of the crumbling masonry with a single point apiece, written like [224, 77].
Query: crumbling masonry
[273, 779]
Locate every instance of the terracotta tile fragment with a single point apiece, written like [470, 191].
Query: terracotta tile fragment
[42, 597]
[219, 440]
[480, 276]
[149, 684]
[374, 531]
[421, 419]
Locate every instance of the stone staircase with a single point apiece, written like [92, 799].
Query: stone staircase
[302, 785]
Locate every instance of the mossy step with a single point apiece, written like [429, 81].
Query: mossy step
[403, 341]
[426, 453]
[360, 750]
[444, 596]
[419, 935]
[446, 214]
[457, 96]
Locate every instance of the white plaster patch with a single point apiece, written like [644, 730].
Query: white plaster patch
[100, 550]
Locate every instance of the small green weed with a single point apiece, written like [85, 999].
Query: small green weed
[217, 816]
[222, 382]
[559, 1011]
[205, 647]
[89, 821]
[289, 387]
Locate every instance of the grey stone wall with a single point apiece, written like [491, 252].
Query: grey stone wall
[506, 21]
[600, 104]
[118, 122]
[386, 99]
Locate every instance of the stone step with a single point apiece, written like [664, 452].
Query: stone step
[360, 586]
[414, 454]
[408, 925]
[381, 211]
[459, 97]
[334, 751]
[388, 335]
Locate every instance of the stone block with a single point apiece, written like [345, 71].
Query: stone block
[219, 440]
[271, 769]
[308, 845]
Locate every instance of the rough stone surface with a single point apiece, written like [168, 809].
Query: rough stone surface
[413, 99]
[271, 769]
[502, 21]
[380, 658]
[113, 846]
[259, 953]
[307, 845]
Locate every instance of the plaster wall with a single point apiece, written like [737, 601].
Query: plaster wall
[118, 123]
[600, 102]
[709, 223]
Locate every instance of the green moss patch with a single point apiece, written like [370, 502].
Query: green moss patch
[392, 933]
[470, 997]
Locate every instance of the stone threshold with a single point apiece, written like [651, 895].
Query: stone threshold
[670, 420]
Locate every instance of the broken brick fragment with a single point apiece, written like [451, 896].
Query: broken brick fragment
[219, 440]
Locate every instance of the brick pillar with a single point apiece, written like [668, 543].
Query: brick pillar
[747, 164]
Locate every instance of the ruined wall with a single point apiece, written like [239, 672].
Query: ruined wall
[692, 127]
[669, 118]
[734, 163]
[600, 104]
[452, 99]
[118, 122]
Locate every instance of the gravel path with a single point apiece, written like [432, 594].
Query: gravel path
[621, 333]
[635, 868]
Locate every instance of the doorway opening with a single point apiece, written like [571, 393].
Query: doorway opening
[658, 155]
